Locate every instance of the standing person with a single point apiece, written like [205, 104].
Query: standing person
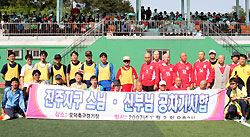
[44, 67]
[184, 70]
[58, 68]
[202, 70]
[166, 71]
[235, 57]
[72, 68]
[26, 75]
[79, 84]
[222, 72]
[10, 70]
[94, 84]
[148, 14]
[212, 58]
[105, 72]
[13, 104]
[127, 75]
[88, 68]
[157, 58]
[148, 74]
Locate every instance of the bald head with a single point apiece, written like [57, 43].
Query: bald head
[203, 85]
[178, 81]
[156, 55]
[139, 86]
[221, 60]
[166, 58]
[147, 58]
[183, 57]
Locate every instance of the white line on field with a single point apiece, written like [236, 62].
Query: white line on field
[244, 123]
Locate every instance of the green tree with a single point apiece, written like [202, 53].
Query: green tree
[241, 11]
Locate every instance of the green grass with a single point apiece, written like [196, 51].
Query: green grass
[52, 128]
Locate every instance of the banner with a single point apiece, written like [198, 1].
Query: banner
[58, 102]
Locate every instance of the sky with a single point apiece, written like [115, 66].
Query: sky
[221, 6]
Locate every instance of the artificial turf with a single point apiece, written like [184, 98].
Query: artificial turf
[55, 128]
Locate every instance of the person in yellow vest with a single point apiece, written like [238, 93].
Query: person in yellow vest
[105, 72]
[127, 75]
[26, 75]
[58, 68]
[94, 84]
[213, 60]
[44, 67]
[88, 68]
[72, 68]
[79, 84]
[10, 70]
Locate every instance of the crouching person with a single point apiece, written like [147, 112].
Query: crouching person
[238, 103]
[13, 105]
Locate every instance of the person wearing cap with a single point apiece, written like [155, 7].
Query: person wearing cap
[162, 86]
[166, 71]
[59, 80]
[105, 72]
[117, 86]
[222, 73]
[78, 84]
[184, 70]
[235, 57]
[72, 68]
[213, 60]
[127, 75]
[202, 70]
[178, 84]
[88, 68]
[148, 74]
[94, 84]
[58, 68]
[44, 67]
[138, 87]
[26, 74]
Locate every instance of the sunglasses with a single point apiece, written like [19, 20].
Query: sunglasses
[232, 83]
[126, 61]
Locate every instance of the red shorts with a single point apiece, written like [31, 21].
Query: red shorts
[127, 88]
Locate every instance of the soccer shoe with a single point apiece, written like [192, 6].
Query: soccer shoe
[18, 115]
[243, 120]
[5, 117]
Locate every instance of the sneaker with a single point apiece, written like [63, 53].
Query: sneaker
[18, 115]
[6, 117]
[243, 119]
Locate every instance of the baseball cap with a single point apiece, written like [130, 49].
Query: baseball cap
[117, 82]
[212, 51]
[162, 82]
[235, 54]
[126, 58]
[88, 53]
[58, 76]
[57, 56]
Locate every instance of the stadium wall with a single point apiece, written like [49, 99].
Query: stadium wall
[135, 48]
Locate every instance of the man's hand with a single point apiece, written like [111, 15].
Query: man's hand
[195, 86]
[233, 98]
[208, 85]
[155, 87]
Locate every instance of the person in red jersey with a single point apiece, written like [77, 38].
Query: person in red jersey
[235, 57]
[127, 75]
[178, 84]
[162, 86]
[148, 74]
[202, 70]
[117, 86]
[166, 71]
[157, 58]
[184, 70]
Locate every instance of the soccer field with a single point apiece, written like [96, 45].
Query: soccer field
[37, 127]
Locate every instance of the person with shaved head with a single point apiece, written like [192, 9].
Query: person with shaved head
[184, 70]
[148, 74]
[222, 73]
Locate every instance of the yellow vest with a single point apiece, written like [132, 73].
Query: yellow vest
[243, 73]
[98, 88]
[74, 69]
[11, 72]
[104, 72]
[44, 71]
[88, 71]
[61, 72]
[214, 64]
[126, 76]
[83, 87]
[28, 75]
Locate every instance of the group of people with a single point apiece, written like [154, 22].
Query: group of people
[155, 75]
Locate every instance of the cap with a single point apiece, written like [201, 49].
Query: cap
[126, 58]
[117, 82]
[235, 54]
[162, 82]
[212, 51]
[88, 53]
[58, 76]
[57, 56]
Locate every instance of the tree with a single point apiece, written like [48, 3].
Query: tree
[241, 11]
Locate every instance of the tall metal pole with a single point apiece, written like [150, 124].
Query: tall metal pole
[247, 10]
[58, 11]
[61, 9]
[188, 14]
[182, 8]
[138, 9]
[238, 8]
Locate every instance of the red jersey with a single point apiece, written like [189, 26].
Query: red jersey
[138, 91]
[202, 71]
[167, 74]
[148, 74]
[232, 66]
[185, 71]
[177, 88]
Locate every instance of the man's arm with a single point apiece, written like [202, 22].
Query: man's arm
[4, 100]
[22, 103]
[112, 70]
